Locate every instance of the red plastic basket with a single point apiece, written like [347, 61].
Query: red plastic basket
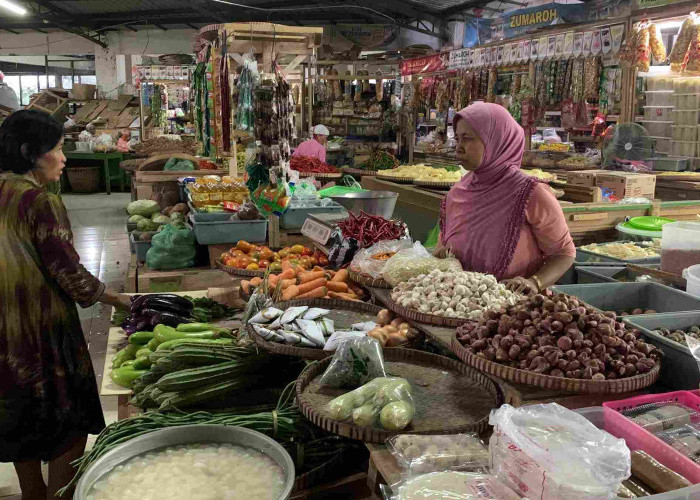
[638, 438]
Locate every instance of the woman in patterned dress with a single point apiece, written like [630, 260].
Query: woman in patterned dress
[48, 394]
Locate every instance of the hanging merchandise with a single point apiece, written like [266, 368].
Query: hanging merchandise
[577, 83]
[379, 86]
[285, 108]
[441, 98]
[637, 52]
[491, 83]
[225, 93]
[347, 91]
[248, 79]
[551, 81]
[693, 57]
[656, 43]
[591, 77]
[686, 34]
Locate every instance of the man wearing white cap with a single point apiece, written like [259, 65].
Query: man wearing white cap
[316, 147]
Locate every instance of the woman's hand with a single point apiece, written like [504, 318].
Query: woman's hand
[522, 285]
[440, 251]
[118, 300]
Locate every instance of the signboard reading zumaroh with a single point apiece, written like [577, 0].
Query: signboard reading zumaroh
[521, 21]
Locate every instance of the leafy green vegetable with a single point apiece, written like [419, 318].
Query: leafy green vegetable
[146, 225]
[144, 208]
[161, 219]
[135, 218]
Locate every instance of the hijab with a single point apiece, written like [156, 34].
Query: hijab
[484, 212]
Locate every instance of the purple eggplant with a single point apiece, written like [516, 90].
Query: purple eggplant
[173, 320]
[167, 305]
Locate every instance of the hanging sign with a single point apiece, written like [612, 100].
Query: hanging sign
[477, 58]
[521, 50]
[587, 39]
[426, 64]
[596, 43]
[560, 45]
[617, 33]
[526, 50]
[534, 49]
[606, 39]
[487, 56]
[458, 59]
[506, 53]
[568, 44]
[543, 48]
[519, 22]
[551, 46]
[471, 58]
[500, 54]
[578, 44]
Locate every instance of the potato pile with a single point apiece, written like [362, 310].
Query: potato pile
[562, 337]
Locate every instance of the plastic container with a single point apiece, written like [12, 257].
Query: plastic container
[692, 276]
[685, 117]
[660, 97]
[657, 129]
[627, 232]
[637, 438]
[684, 132]
[686, 85]
[660, 83]
[294, 218]
[586, 256]
[686, 101]
[140, 248]
[662, 144]
[658, 113]
[670, 163]
[680, 246]
[620, 297]
[679, 370]
[682, 148]
[208, 217]
[216, 232]
[604, 274]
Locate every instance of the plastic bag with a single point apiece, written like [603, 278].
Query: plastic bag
[453, 485]
[177, 164]
[364, 263]
[385, 402]
[414, 261]
[171, 248]
[433, 237]
[548, 452]
[550, 136]
[272, 198]
[355, 362]
[430, 453]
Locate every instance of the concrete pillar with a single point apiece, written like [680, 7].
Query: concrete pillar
[106, 68]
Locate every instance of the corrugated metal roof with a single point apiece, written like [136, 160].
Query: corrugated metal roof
[110, 6]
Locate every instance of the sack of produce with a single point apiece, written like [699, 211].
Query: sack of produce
[548, 452]
[171, 248]
[355, 362]
[453, 485]
[420, 454]
[386, 402]
[177, 164]
[415, 261]
[371, 261]
[144, 208]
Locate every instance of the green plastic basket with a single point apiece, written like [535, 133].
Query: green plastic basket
[647, 223]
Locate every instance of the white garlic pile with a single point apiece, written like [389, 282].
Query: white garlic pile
[453, 295]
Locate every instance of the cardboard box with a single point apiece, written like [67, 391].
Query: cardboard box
[583, 177]
[627, 185]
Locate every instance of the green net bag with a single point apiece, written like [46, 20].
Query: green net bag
[171, 248]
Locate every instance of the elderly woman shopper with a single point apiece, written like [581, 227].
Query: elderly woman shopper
[48, 395]
[497, 219]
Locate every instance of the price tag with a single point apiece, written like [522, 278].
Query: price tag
[316, 231]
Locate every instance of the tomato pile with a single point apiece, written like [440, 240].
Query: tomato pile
[253, 257]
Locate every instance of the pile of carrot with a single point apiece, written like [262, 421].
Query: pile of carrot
[298, 283]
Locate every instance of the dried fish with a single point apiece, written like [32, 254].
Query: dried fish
[311, 331]
[292, 338]
[365, 326]
[293, 313]
[266, 316]
[315, 313]
[327, 326]
[341, 336]
[268, 334]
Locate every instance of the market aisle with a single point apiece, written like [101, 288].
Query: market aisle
[100, 238]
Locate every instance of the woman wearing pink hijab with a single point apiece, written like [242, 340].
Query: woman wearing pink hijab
[497, 219]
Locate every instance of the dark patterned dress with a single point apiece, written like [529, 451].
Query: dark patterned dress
[48, 393]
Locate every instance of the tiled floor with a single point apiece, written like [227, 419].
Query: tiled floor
[101, 240]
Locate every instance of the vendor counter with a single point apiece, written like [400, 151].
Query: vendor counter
[588, 222]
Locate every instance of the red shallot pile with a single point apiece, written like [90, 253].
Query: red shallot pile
[560, 336]
[311, 165]
[369, 229]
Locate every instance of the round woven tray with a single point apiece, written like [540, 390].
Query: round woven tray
[343, 312]
[130, 165]
[678, 176]
[398, 180]
[434, 184]
[449, 396]
[359, 172]
[420, 317]
[337, 175]
[367, 280]
[554, 383]
[573, 168]
[240, 272]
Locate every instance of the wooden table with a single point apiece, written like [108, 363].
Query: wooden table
[107, 160]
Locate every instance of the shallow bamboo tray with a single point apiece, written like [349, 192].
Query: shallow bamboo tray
[678, 176]
[398, 180]
[435, 184]
[359, 172]
[420, 317]
[505, 372]
[240, 272]
[328, 175]
[367, 280]
[449, 396]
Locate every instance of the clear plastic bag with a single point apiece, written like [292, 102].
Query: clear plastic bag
[548, 452]
[685, 439]
[452, 485]
[355, 362]
[661, 416]
[415, 261]
[429, 453]
[385, 402]
[365, 264]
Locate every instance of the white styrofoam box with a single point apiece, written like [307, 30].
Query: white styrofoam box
[660, 83]
[684, 132]
[682, 148]
[658, 113]
[662, 144]
[657, 129]
[686, 116]
[660, 98]
[686, 101]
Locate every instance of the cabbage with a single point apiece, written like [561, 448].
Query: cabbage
[135, 218]
[144, 208]
[161, 219]
[177, 217]
[146, 225]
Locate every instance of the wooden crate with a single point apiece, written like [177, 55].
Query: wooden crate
[583, 194]
[145, 183]
[131, 283]
[196, 278]
[277, 237]
[50, 103]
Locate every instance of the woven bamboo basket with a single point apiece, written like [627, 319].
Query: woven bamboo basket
[434, 184]
[358, 172]
[526, 377]
[84, 179]
[321, 175]
[398, 180]
[367, 280]
[420, 317]
[449, 396]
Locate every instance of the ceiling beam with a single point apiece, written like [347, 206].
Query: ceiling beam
[513, 2]
[53, 12]
[462, 7]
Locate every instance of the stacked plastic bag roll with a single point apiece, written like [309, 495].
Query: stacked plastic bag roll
[686, 33]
